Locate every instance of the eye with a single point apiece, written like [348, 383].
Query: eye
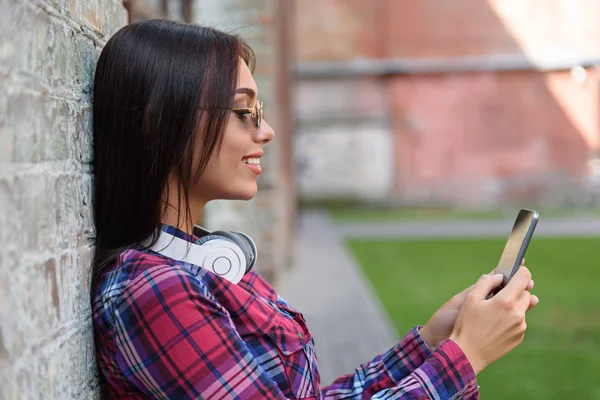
[242, 115]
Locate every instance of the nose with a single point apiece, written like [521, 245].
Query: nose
[265, 134]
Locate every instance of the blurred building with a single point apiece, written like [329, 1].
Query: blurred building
[447, 102]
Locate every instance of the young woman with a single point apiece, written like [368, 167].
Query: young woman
[178, 123]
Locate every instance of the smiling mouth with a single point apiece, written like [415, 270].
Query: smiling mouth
[253, 164]
[251, 160]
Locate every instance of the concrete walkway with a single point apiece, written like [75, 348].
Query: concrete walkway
[557, 227]
[341, 309]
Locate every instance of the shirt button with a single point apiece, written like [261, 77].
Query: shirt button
[300, 335]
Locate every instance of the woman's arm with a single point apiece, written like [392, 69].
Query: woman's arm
[410, 371]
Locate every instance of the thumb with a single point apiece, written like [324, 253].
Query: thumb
[485, 285]
[460, 298]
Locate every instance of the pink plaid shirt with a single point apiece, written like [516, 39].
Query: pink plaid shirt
[170, 330]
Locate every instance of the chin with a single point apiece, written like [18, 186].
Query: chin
[244, 193]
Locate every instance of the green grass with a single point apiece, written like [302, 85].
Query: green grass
[380, 214]
[560, 356]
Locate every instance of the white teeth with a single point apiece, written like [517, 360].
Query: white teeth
[251, 160]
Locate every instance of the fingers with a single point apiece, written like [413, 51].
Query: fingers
[524, 302]
[530, 286]
[485, 285]
[517, 285]
[523, 262]
[534, 302]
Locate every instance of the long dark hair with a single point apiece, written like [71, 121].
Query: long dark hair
[152, 82]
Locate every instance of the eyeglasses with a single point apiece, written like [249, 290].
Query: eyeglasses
[256, 112]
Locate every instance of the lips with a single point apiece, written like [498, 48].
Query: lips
[254, 168]
[257, 154]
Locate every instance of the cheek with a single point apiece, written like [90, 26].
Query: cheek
[230, 157]
[222, 164]
[232, 148]
[226, 176]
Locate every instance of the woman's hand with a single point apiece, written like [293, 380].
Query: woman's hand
[486, 329]
[441, 324]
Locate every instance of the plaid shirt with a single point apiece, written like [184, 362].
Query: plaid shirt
[170, 330]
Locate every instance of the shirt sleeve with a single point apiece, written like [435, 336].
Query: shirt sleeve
[410, 371]
[174, 342]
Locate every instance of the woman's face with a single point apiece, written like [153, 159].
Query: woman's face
[232, 172]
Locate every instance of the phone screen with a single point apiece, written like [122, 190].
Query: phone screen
[517, 243]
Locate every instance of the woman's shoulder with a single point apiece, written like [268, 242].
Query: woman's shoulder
[257, 284]
[135, 272]
[137, 276]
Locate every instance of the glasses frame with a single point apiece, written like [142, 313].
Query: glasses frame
[256, 112]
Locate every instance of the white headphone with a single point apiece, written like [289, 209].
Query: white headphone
[229, 255]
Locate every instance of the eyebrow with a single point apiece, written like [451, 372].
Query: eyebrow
[244, 90]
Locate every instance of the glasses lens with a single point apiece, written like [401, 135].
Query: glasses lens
[257, 114]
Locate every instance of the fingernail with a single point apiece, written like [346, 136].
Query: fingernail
[499, 276]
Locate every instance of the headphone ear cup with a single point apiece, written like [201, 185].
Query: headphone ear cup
[245, 243]
[235, 242]
[252, 246]
[203, 239]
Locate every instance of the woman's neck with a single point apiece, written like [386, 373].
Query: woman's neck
[179, 217]
[182, 222]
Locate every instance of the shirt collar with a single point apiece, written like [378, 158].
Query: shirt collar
[178, 233]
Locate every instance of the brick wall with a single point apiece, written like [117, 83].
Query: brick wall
[494, 138]
[48, 51]
[46, 227]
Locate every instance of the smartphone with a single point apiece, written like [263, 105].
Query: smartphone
[516, 245]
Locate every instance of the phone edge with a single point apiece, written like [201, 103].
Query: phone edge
[523, 250]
